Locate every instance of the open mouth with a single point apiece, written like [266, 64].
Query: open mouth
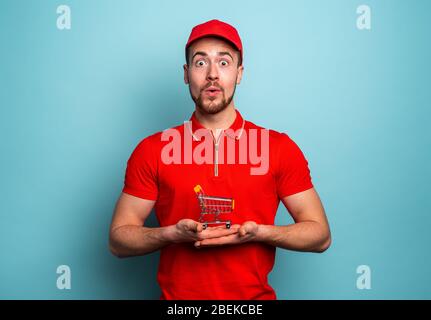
[212, 91]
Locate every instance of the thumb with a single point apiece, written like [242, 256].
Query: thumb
[243, 231]
[194, 226]
[247, 227]
[188, 225]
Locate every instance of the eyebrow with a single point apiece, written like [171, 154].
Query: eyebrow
[221, 53]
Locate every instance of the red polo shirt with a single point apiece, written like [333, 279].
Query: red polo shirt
[226, 272]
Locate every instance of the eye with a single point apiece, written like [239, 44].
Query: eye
[224, 63]
[200, 63]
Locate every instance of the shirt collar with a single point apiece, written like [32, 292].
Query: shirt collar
[235, 132]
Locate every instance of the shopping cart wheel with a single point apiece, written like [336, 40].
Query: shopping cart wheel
[204, 226]
[228, 225]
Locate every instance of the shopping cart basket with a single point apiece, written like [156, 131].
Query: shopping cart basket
[213, 206]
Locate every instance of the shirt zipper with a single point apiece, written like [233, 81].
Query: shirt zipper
[216, 160]
[216, 144]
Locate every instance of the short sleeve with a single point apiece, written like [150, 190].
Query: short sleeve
[141, 172]
[292, 173]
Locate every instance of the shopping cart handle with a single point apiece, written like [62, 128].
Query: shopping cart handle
[197, 188]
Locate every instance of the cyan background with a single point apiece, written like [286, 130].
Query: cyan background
[75, 103]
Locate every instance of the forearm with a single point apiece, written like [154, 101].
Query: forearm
[308, 236]
[129, 240]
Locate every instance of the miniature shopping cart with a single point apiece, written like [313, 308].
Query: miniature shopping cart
[213, 206]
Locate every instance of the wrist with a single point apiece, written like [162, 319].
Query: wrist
[168, 234]
[263, 232]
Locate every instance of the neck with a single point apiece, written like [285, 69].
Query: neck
[221, 120]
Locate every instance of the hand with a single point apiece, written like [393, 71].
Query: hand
[246, 232]
[188, 230]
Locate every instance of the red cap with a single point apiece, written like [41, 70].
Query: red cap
[216, 28]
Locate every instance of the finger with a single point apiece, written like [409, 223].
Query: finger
[216, 233]
[223, 227]
[230, 239]
[221, 231]
[199, 227]
[216, 227]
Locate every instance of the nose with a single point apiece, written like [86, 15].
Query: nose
[212, 72]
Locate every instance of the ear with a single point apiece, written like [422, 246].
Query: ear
[186, 74]
[240, 71]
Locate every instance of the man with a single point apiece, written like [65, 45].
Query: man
[216, 262]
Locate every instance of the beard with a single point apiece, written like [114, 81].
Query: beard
[209, 105]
